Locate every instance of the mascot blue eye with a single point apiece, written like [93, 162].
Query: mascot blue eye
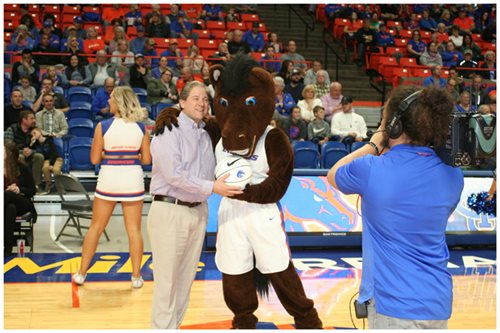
[250, 101]
[223, 102]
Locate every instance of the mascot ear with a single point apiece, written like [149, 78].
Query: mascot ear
[262, 75]
[215, 73]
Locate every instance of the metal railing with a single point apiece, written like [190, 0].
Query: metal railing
[307, 26]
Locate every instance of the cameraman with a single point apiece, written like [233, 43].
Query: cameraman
[408, 195]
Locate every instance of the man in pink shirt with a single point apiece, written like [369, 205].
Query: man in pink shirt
[331, 101]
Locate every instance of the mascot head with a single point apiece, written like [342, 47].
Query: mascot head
[244, 103]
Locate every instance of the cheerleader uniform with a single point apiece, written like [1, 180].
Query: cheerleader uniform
[121, 179]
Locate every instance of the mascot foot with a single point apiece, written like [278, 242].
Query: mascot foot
[241, 299]
[242, 322]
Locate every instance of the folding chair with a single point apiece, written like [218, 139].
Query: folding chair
[79, 208]
[24, 229]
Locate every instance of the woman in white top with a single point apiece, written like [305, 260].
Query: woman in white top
[123, 56]
[120, 145]
[307, 104]
[194, 60]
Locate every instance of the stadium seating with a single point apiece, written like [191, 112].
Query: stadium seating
[306, 155]
[80, 110]
[356, 145]
[81, 127]
[79, 153]
[141, 93]
[79, 94]
[331, 153]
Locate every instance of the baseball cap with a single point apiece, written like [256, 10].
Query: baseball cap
[139, 55]
[255, 24]
[140, 28]
[295, 71]
[47, 23]
[469, 51]
[346, 100]
[78, 19]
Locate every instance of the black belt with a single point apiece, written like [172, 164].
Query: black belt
[169, 199]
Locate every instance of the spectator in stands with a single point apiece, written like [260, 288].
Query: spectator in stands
[76, 73]
[389, 11]
[149, 123]
[427, 23]
[123, 57]
[19, 189]
[74, 49]
[489, 34]
[20, 134]
[47, 29]
[186, 77]
[470, 44]
[347, 125]
[268, 62]
[456, 37]
[175, 10]
[484, 109]
[322, 88]
[453, 73]
[478, 93]
[415, 46]
[466, 64]
[412, 23]
[134, 16]
[100, 105]
[490, 63]
[295, 86]
[162, 65]
[308, 103]
[116, 11]
[254, 38]
[27, 66]
[137, 44]
[384, 38]
[332, 101]
[71, 32]
[435, 79]
[28, 21]
[431, 56]
[463, 104]
[374, 21]
[291, 54]
[222, 55]
[60, 101]
[285, 72]
[311, 73]
[102, 69]
[44, 46]
[446, 19]
[205, 76]
[118, 36]
[365, 39]
[194, 60]
[212, 12]
[404, 12]
[93, 44]
[11, 111]
[26, 89]
[318, 130]
[157, 27]
[21, 39]
[50, 120]
[150, 53]
[295, 127]
[450, 56]
[174, 56]
[482, 22]
[284, 101]
[442, 37]
[464, 22]
[162, 90]
[232, 15]
[452, 88]
[80, 31]
[155, 8]
[53, 161]
[138, 75]
[273, 41]
[237, 45]
[50, 18]
[183, 28]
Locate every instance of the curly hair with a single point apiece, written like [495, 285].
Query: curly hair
[428, 119]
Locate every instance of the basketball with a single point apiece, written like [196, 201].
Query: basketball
[238, 168]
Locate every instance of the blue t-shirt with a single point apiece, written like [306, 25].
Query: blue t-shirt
[407, 196]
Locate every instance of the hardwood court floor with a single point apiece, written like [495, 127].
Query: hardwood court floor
[114, 305]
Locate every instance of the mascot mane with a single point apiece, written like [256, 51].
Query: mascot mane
[232, 78]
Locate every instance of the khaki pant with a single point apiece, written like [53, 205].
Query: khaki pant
[34, 161]
[176, 233]
[56, 169]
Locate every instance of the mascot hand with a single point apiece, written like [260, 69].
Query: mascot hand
[167, 117]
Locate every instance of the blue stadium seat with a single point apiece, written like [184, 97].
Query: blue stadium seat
[81, 127]
[79, 153]
[356, 145]
[306, 155]
[28, 104]
[149, 108]
[59, 145]
[79, 94]
[80, 110]
[141, 93]
[159, 107]
[331, 153]
[58, 90]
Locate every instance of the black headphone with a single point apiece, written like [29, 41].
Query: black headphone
[394, 127]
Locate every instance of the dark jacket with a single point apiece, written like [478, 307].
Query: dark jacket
[48, 149]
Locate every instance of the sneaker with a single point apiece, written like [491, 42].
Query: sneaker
[40, 190]
[79, 279]
[137, 282]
